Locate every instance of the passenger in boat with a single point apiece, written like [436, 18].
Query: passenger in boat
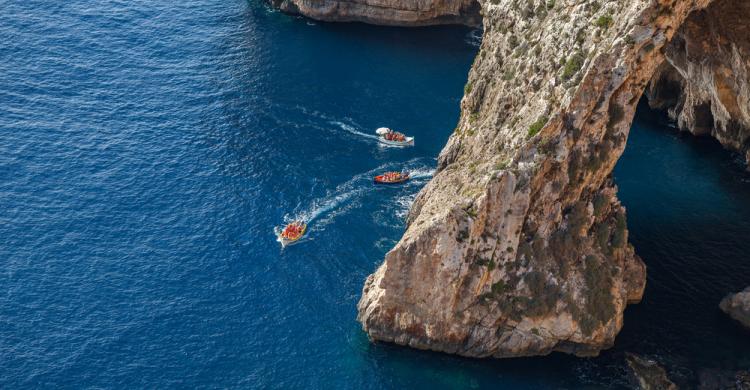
[292, 230]
[394, 136]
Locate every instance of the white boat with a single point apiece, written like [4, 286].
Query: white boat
[381, 132]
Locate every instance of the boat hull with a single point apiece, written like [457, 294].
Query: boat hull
[379, 180]
[408, 142]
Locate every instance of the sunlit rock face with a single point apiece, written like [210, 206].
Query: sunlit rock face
[386, 12]
[705, 83]
[519, 245]
[737, 306]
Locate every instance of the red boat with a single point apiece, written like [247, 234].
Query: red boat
[392, 178]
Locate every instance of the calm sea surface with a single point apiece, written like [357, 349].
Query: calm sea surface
[148, 149]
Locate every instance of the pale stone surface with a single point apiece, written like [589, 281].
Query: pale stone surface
[386, 12]
[738, 306]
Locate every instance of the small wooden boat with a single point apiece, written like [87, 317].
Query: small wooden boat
[393, 138]
[392, 178]
[292, 233]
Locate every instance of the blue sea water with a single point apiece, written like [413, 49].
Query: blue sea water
[149, 148]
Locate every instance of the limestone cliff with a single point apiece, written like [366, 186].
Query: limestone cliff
[705, 83]
[519, 246]
[386, 12]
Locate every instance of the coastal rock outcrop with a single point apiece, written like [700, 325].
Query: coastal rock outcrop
[712, 379]
[519, 246]
[648, 374]
[737, 306]
[386, 12]
[705, 83]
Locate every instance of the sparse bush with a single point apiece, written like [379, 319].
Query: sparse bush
[573, 65]
[498, 288]
[621, 227]
[513, 41]
[537, 126]
[600, 204]
[599, 305]
[602, 237]
[604, 21]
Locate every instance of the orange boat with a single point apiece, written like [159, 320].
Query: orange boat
[292, 233]
[392, 178]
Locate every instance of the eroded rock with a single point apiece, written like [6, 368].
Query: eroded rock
[705, 83]
[738, 306]
[386, 12]
[648, 374]
[713, 379]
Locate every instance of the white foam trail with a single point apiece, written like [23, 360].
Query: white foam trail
[474, 37]
[353, 130]
[421, 173]
[346, 124]
[343, 194]
[343, 198]
[328, 204]
[404, 205]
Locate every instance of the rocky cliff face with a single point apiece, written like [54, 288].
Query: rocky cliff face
[519, 246]
[386, 12]
[705, 83]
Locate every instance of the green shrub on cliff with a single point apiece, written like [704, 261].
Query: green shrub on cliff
[573, 65]
[621, 228]
[604, 21]
[502, 165]
[537, 126]
[599, 302]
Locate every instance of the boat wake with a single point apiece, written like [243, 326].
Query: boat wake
[346, 124]
[351, 129]
[421, 173]
[324, 210]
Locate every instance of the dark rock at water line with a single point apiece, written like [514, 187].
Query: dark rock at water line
[711, 379]
[648, 374]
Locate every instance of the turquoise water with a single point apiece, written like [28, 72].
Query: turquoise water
[148, 150]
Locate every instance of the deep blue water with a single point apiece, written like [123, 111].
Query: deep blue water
[148, 148]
